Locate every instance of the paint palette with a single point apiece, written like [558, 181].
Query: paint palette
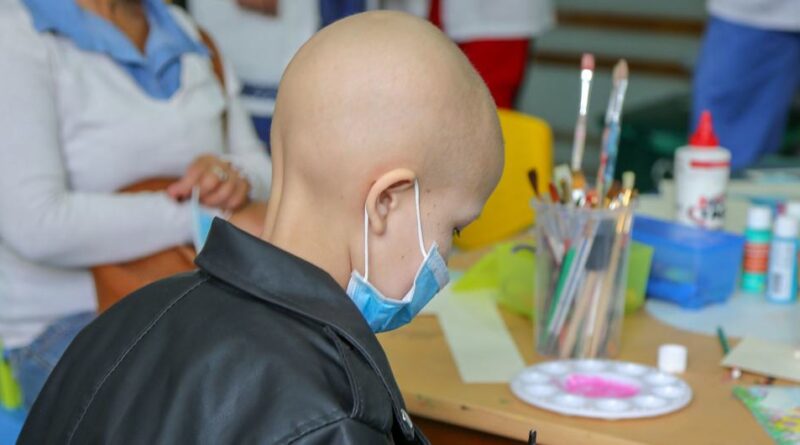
[602, 389]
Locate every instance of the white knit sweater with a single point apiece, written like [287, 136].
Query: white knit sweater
[74, 128]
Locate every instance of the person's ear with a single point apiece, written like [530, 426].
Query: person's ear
[384, 196]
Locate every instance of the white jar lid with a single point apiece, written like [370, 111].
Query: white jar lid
[672, 358]
[786, 227]
[759, 217]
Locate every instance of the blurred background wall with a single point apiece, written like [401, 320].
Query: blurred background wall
[660, 40]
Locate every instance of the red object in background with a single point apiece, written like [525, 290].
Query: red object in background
[501, 62]
[704, 136]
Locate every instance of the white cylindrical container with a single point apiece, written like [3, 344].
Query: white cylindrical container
[672, 358]
[702, 169]
[782, 275]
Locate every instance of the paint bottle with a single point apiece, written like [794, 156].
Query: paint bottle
[702, 169]
[793, 209]
[782, 276]
[758, 236]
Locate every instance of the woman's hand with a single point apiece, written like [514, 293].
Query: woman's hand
[220, 184]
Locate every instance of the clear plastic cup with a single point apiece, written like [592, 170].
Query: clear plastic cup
[581, 276]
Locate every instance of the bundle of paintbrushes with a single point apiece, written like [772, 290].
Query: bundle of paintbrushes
[583, 238]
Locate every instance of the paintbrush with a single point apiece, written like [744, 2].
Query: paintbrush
[563, 179]
[613, 193]
[554, 196]
[608, 154]
[628, 180]
[533, 179]
[579, 143]
[601, 321]
[595, 267]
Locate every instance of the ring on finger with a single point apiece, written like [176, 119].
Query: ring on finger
[220, 173]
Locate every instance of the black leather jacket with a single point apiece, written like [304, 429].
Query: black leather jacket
[258, 346]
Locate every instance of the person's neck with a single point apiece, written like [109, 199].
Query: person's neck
[322, 243]
[128, 16]
[110, 8]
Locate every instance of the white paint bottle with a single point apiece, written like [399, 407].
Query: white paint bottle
[702, 169]
[782, 275]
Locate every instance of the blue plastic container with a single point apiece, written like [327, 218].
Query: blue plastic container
[691, 267]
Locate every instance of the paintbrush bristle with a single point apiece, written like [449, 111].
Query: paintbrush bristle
[578, 180]
[533, 178]
[628, 179]
[587, 61]
[562, 172]
[620, 71]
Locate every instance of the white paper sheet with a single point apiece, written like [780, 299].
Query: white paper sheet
[478, 338]
[766, 358]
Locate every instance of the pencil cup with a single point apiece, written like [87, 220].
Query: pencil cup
[582, 265]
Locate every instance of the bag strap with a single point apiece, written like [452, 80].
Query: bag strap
[216, 59]
[219, 73]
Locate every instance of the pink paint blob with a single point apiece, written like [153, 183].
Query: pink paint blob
[595, 386]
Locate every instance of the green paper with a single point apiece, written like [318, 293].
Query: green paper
[776, 408]
[508, 270]
[511, 273]
[10, 393]
[641, 256]
[482, 275]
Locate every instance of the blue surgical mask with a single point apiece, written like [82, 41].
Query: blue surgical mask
[384, 314]
[202, 217]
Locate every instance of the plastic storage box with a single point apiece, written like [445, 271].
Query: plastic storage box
[691, 267]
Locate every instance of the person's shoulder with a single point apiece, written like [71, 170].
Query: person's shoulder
[12, 10]
[193, 337]
[16, 27]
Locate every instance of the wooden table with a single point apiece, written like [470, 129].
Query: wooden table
[432, 389]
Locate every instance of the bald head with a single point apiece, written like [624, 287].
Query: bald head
[377, 94]
[380, 88]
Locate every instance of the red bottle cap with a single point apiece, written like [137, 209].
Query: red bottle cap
[704, 136]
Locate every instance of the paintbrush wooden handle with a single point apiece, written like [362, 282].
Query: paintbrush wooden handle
[608, 287]
[582, 308]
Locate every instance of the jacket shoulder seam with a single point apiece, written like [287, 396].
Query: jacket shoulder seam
[355, 389]
[124, 354]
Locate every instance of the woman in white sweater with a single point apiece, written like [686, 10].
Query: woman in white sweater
[96, 95]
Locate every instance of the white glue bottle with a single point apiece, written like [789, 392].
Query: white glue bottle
[702, 169]
[782, 275]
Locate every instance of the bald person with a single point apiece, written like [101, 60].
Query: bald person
[385, 142]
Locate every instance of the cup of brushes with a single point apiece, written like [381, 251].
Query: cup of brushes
[581, 277]
[583, 239]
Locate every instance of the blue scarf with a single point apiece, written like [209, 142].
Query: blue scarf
[157, 71]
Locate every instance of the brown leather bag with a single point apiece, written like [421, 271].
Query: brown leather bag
[115, 281]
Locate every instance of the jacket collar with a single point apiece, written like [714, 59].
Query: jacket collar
[278, 277]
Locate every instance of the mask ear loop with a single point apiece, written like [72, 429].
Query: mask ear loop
[366, 244]
[419, 218]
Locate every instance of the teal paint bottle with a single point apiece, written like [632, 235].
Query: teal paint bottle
[758, 236]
